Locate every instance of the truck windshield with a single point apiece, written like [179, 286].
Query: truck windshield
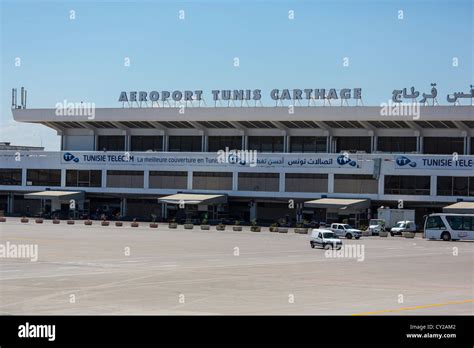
[347, 227]
[400, 224]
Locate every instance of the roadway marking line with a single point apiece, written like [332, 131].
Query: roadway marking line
[415, 307]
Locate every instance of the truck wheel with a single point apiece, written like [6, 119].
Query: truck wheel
[348, 236]
[357, 237]
[328, 246]
[446, 236]
[312, 244]
[392, 234]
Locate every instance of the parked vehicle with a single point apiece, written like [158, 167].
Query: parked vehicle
[392, 216]
[376, 226]
[345, 230]
[325, 239]
[449, 227]
[403, 226]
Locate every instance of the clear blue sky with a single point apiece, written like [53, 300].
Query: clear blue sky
[83, 59]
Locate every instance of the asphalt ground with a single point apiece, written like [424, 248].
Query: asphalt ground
[124, 270]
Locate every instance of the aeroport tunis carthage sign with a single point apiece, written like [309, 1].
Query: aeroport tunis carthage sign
[241, 94]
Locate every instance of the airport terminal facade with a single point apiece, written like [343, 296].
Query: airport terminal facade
[134, 160]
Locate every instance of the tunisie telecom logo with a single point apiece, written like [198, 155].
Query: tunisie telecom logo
[403, 161]
[344, 159]
[68, 157]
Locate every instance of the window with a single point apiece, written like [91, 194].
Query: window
[435, 223]
[463, 223]
[43, 177]
[168, 180]
[443, 145]
[407, 185]
[306, 182]
[125, 178]
[146, 143]
[396, 144]
[258, 182]
[185, 144]
[308, 144]
[10, 176]
[266, 144]
[348, 183]
[84, 178]
[212, 181]
[220, 143]
[111, 143]
[353, 144]
[455, 186]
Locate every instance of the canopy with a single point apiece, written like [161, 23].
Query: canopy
[338, 203]
[460, 207]
[188, 198]
[55, 194]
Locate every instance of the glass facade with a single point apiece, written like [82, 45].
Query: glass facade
[455, 186]
[10, 176]
[396, 144]
[353, 144]
[348, 183]
[259, 182]
[443, 145]
[146, 143]
[266, 144]
[125, 178]
[168, 180]
[407, 185]
[84, 178]
[185, 143]
[308, 144]
[212, 181]
[306, 182]
[111, 143]
[43, 177]
[220, 143]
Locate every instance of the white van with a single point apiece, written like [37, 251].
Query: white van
[403, 226]
[326, 239]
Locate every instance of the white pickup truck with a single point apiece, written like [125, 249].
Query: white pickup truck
[345, 230]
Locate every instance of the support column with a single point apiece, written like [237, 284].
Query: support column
[63, 178]
[146, 179]
[381, 185]
[10, 203]
[281, 182]
[127, 142]
[123, 206]
[331, 183]
[235, 181]
[104, 178]
[23, 177]
[253, 211]
[433, 185]
[165, 142]
[190, 180]
[246, 142]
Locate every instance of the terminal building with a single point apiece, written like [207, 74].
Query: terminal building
[317, 163]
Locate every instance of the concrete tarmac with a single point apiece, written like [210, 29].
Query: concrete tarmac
[124, 270]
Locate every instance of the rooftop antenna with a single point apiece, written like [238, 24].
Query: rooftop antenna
[25, 100]
[13, 98]
[22, 96]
